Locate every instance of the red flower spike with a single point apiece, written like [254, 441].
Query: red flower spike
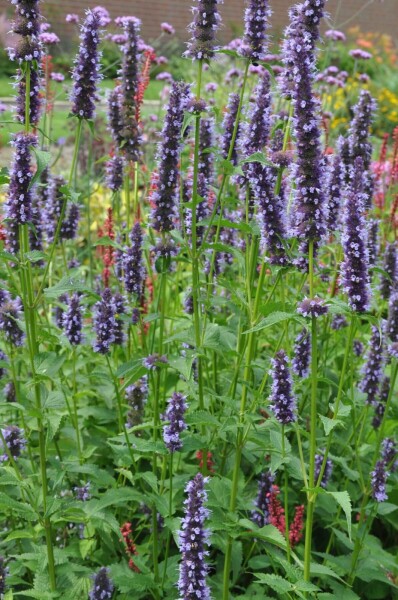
[131, 550]
[149, 57]
[276, 510]
[296, 528]
[210, 462]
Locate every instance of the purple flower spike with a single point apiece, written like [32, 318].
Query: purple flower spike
[102, 586]
[260, 515]
[104, 322]
[19, 200]
[129, 74]
[10, 313]
[72, 320]
[165, 196]
[133, 264]
[15, 442]
[114, 173]
[327, 472]
[175, 414]
[355, 266]
[283, 402]
[228, 126]
[206, 22]
[255, 39]
[338, 322]
[149, 362]
[119, 303]
[193, 540]
[115, 121]
[380, 406]
[373, 241]
[86, 73]
[392, 322]
[308, 222]
[378, 480]
[206, 158]
[256, 134]
[3, 370]
[390, 266]
[372, 370]
[312, 307]
[334, 196]
[389, 453]
[302, 354]
[27, 25]
[71, 223]
[136, 396]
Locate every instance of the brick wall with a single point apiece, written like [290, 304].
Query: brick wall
[379, 16]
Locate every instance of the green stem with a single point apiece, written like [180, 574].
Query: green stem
[311, 495]
[286, 495]
[170, 516]
[127, 195]
[76, 417]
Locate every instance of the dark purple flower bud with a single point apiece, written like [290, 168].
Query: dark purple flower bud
[120, 337]
[355, 266]
[10, 314]
[136, 396]
[19, 199]
[378, 481]
[188, 304]
[114, 173]
[73, 263]
[27, 21]
[115, 120]
[270, 213]
[3, 576]
[302, 354]
[165, 196]
[175, 414]
[327, 472]
[392, 321]
[9, 392]
[83, 493]
[193, 541]
[357, 348]
[102, 586]
[372, 370]
[283, 402]
[206, 141]
[392, 350]
[72, 320]
[338, 322]
[312, 307]
[380, 406]
[255, 39]
[260, 515]
[104, 322]
[70, 224]
[373, 241]
[3, 370]
[86, 73]
[390, 266]
[334, 193]
[135, 316]
[165, 250]
[151, 362]
[52, 200]
[129, 75]
[59, 311]
[228, 127]
[35, 97]
[15, 442]
[133, 264]
[389, 453]
[206, 22]
[5, 296]
[255, 136]
[36, 231]
[12, 236]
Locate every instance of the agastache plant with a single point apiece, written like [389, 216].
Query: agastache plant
[102, 588]
[255, 40]
[260, 515]
[72, 320]
[390, 266]
[372, 370]
[104, 323]
[175, 415]
[129, 131]
[133, 264]
[282, 400]
[19, 198]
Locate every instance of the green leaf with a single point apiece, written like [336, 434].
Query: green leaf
[329, 424]
[42, 160]
[258, 157]
[68, 284]
[344, 500]
[273, 319]
[35, 256]
[317, 569]
[48, 363]
[275, 582]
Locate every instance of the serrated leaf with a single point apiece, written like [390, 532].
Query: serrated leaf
[260, 158]
[344, 500]
[273, 319]
[35, 256]
[275, 582]
[48, 363]
[317, 569]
